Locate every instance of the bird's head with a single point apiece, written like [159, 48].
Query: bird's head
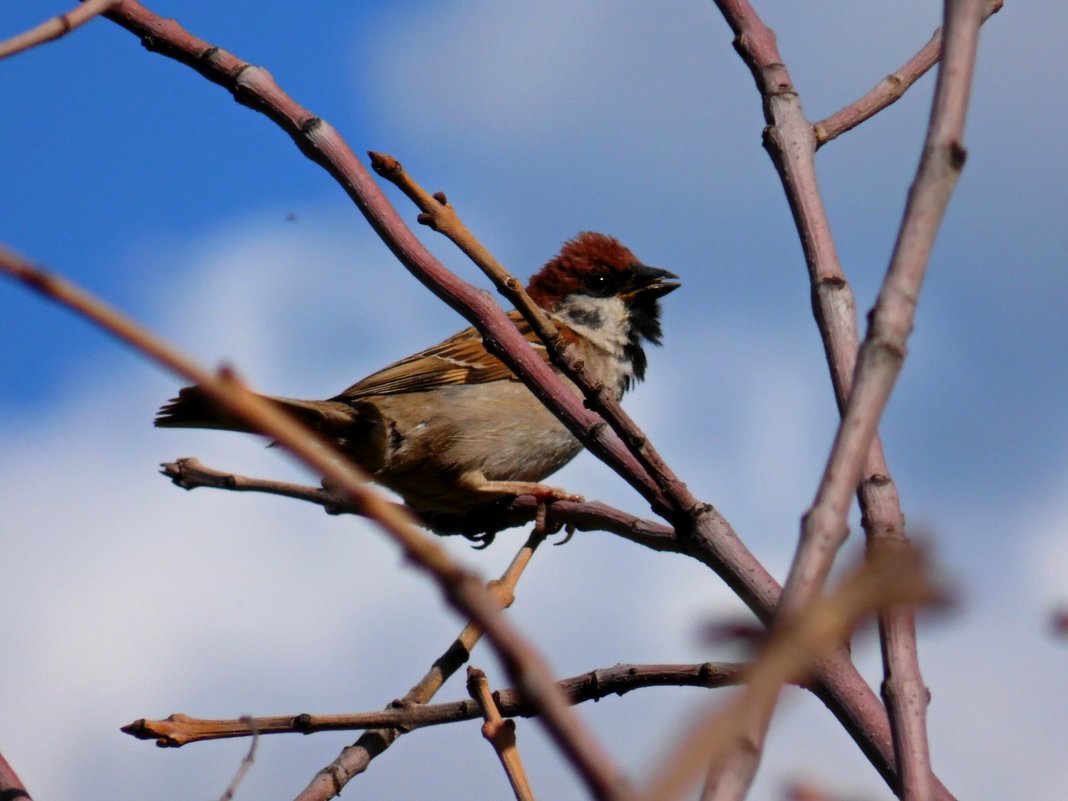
[600, 289]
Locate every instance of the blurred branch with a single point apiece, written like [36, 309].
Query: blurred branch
[246, 762]
[459, 586]
[891, 88]
[883, 351]
[54, 28]
[408, 714]
[703, 533]
[791, 142]
[356, 758]
[500, 733]
[889, 577]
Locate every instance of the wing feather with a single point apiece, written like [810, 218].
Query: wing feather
[460, 359]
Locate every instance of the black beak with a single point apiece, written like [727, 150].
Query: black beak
[650, 282]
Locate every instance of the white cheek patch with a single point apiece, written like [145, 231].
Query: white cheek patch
[601, 320]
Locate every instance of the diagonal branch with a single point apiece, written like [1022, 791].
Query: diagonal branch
[356, 758]
[254, 87]
[500, 733]
[883, 352]
[791, 143]
[891, 88]
[11, 786]
[888, 577]
[54, 28]
[439, 214]
[460, 587]
[703, 533]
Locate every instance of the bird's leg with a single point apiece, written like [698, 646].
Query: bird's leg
[475, 481]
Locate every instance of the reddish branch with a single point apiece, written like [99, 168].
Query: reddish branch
[791, 142]
[891, 88]
[11, 787]
[888, 577]
[439, 215]
[460, 587]
[705, 535]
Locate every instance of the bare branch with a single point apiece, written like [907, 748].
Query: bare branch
[54, 28]
[500, 733]
[792, 147]
[254, 87]
[11, 787]
[891, 88]
[355, 759]
[889, 577]
[246, 763]
[439, 215]
[462, 588]
[883, 351]
[408, 714]
[190, 473]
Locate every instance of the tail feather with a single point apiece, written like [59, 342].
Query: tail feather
[194, 408]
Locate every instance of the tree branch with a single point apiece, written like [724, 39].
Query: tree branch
[189, 473]
[407, 714]
[889, 577]
[54, 28]
[791, 144]
[500, 733]
[460, 587]
[438, 214]
[11, 786]
[356, 758]
[891, 88]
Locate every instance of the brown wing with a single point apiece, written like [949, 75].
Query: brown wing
[460, 359]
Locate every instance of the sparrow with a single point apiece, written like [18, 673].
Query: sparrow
[451, 428]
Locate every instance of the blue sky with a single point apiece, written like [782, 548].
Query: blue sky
[144, 182]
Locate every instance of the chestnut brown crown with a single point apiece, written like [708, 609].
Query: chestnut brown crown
[598, 267]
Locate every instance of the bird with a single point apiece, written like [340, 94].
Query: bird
[450, 428]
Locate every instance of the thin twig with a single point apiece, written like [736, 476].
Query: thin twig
[791, 144]
[891, 88]
[441, 216]
[54, 28]
[707, 537]
[890, 577]
[246, 763]
[883, 352]
[460, 587]
[254, 87]
[500, 733]
[879, 362]
[408, 714]
[189, 473]
[355, 758]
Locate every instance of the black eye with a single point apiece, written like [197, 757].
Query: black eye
[599, 283]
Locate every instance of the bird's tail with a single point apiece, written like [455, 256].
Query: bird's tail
[193, 408]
